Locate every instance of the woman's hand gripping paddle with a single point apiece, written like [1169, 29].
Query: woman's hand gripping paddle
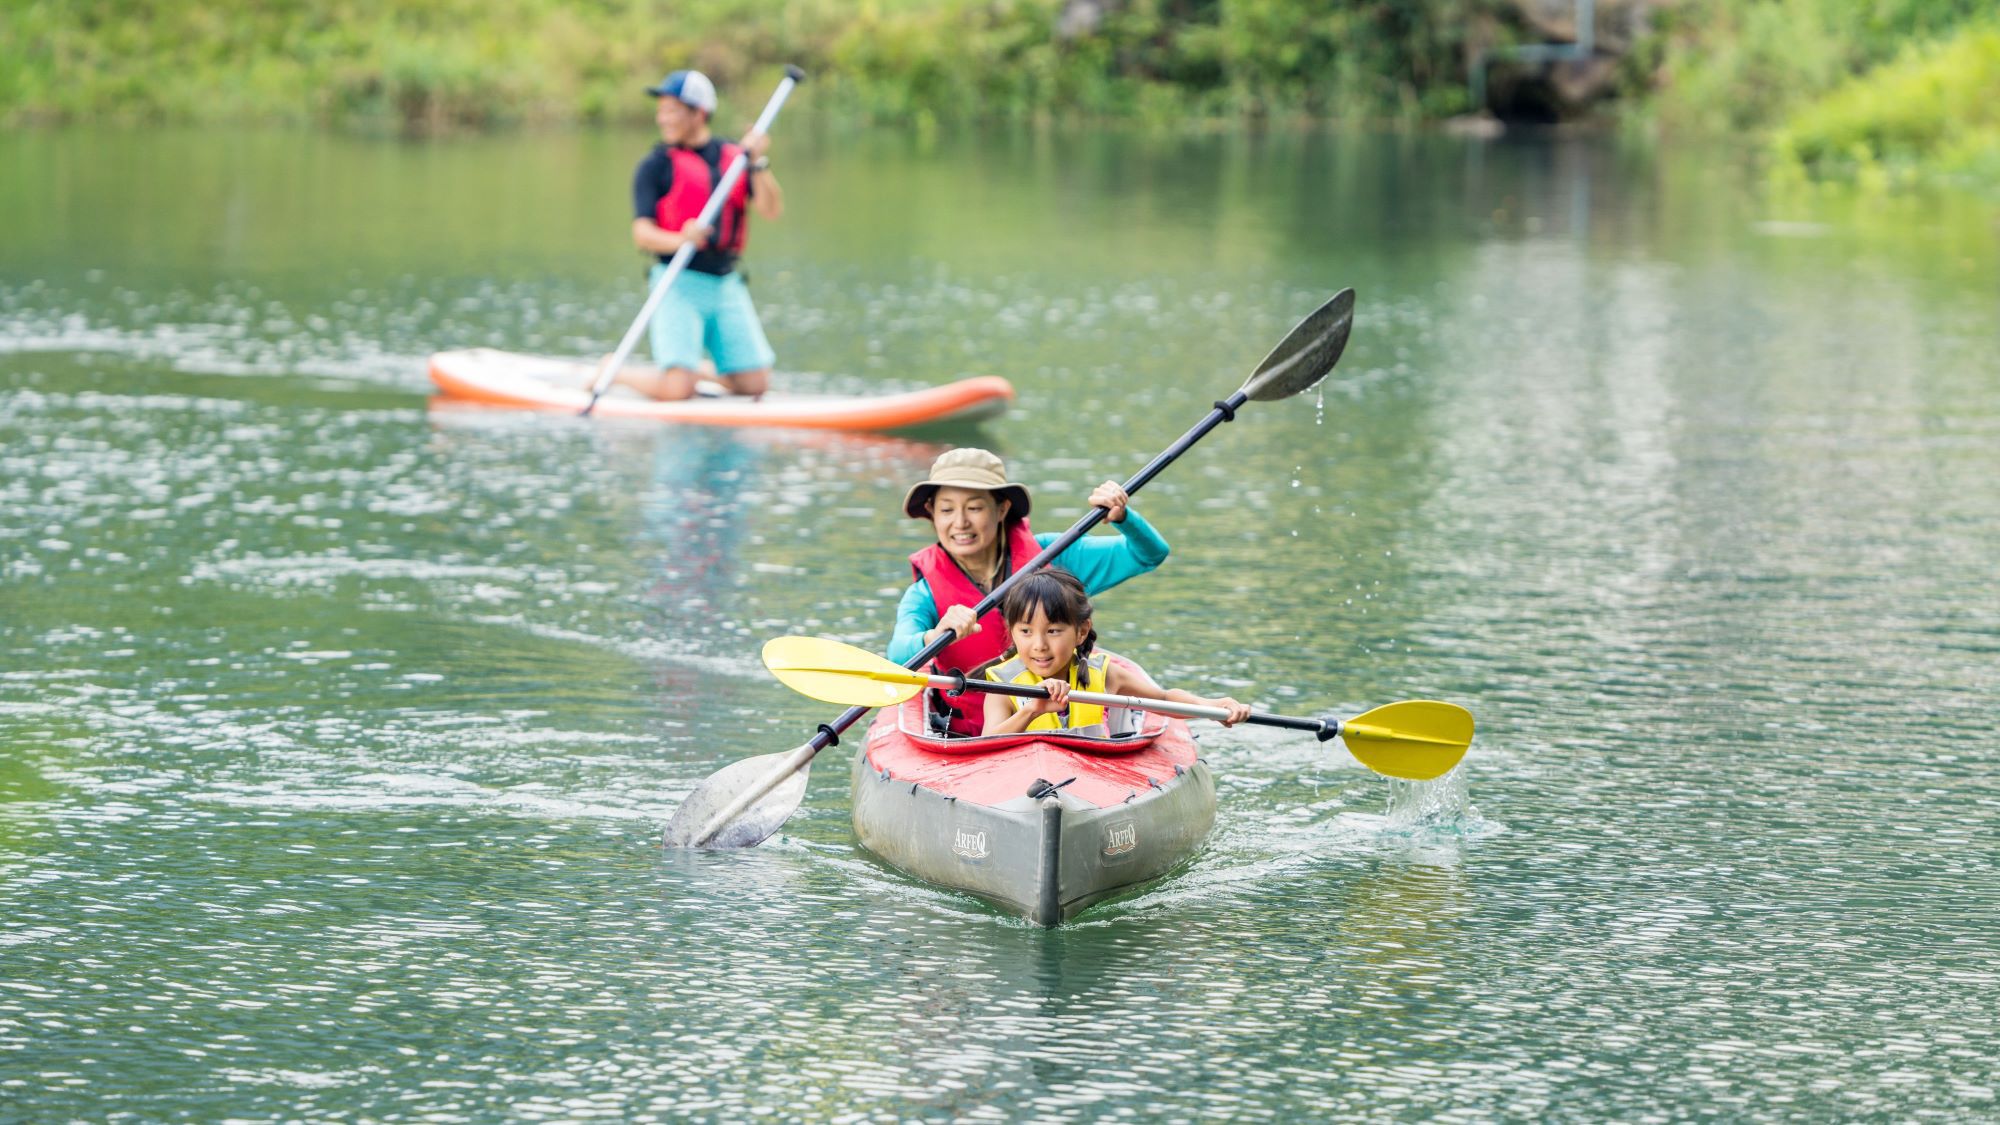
[1417, 739]
[609, 370]
[739, 807]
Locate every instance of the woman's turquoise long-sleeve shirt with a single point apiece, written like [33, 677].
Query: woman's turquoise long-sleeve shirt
[1098, 561]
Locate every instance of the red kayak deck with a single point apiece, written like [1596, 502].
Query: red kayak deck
[995, 770]
[527, 382]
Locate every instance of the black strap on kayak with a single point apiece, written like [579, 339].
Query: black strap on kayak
[1042, 788]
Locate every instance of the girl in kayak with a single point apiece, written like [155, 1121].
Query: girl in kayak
[980, 519]
[1048, 619]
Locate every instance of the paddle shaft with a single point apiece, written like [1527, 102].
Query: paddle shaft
[830, 733]
[1223, 412]
[681, 256]
[1324, 728]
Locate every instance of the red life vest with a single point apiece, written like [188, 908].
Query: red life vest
[694, 179]
[951, 586]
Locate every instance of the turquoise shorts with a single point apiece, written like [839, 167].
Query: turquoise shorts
[705, 313]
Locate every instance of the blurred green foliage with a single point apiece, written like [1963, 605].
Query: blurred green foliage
[1780, 69]
[1731, 65]
[430, 64]
[1931, 113]
[1884, 91]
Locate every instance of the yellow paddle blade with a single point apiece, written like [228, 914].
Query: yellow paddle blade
[832, 672]
[1417, 739]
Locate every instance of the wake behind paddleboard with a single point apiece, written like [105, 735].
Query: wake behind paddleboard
[528, 382]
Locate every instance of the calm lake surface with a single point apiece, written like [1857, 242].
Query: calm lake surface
[337, 730]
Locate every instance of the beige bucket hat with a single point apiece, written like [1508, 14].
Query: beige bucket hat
[967, 468]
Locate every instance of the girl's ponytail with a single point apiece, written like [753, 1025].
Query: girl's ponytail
[1081, 657]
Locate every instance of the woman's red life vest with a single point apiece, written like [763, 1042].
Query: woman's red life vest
[694, 179]
[951, 586]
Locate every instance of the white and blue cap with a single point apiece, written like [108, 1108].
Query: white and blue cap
[689, 87]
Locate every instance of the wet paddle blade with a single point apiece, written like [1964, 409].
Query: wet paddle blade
[1303, 358]
[764, 815]
[837, 673]
[1418, 739]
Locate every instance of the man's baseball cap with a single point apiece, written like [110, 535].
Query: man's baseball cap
[690, 87]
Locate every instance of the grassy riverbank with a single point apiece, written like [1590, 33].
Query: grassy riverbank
[1931, 114]
[1886, 91]
[451, 63]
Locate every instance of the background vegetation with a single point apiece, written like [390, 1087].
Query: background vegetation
[476, 62]
[1933, 112]
[1887, 91]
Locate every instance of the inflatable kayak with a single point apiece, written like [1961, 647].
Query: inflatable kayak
[497, 378]
[1041, 825]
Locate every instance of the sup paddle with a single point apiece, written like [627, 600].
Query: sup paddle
[1417, 740]
[742, 804]
[709, 210]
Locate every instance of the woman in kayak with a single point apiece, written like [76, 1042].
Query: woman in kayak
[1055, 647]
[981, 522]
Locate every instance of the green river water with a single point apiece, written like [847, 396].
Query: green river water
[337, 730]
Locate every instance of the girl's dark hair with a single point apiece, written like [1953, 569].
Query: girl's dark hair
[1061, 598]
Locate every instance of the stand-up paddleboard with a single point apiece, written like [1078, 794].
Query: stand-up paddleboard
[528, 382]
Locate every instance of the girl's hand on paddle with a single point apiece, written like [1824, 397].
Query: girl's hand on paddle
[1058, 695]
[959, 620]
[1237, 711]
[756, 144]
[1112, 497]
[695, 230]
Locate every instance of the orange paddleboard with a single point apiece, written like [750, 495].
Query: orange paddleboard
[529, 382]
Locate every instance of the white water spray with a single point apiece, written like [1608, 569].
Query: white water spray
[1441, 804]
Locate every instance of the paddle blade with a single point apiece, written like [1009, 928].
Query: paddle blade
[1303, 358]
[1417, 739]
[763, 816]
[836, 673]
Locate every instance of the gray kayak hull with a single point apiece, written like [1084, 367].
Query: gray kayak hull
[1044, 859]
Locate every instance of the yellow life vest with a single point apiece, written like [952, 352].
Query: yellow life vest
[1014, 670]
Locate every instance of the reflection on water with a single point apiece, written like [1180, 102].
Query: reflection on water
[336, 732]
